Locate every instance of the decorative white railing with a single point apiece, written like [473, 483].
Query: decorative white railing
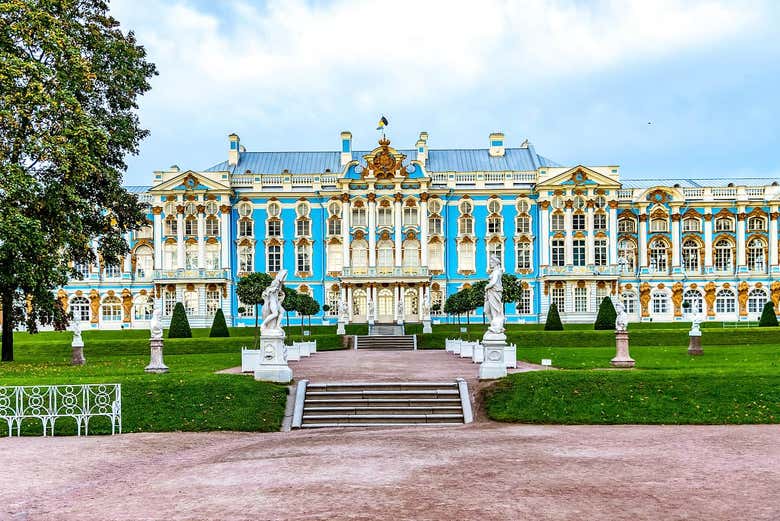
[374, 272]
[693, 193]
[329, 179]
[192, 274]
[724, 193]
[272, 179]
[625, 194]
[465, 178]
[580, 270]
[494, 177]
[303, 179]
[146, 198]
[755, 192]
[48, 403]
[439, 178]
[243, 180]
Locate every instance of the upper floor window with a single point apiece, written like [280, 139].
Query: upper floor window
[578, 221]
[723, 255]
[190, 208]
[171, 225]
[523, 206]
[659, 225]
[756, 224]
[212, 226]
[558, 202]
[303, 227]
[274, 228]
[579, 203]
[691, 224]
[558, 252]
[245, 228]
[434, 224]
[466, 207]
[522, 224]
[600, 202]
[112, 271]
[466, 225]
[334, 209]
[724, 224]
[410, 216]
[334, 226]
[190, 225]
[626, 225]
[274, 209]
[212, 207]
[245, 209]
[302, 210]
[494, 224]
[434, 205]
[494, 206]
[600, 221]
[557, 224]
[385, 216]
[359, 216]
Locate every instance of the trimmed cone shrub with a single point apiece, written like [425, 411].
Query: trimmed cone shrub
[219, 326]
[607, 315]
[180, 326]
[768, 317]
[553, 322]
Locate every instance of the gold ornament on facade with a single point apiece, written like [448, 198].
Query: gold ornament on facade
[127, 305]
[709, 298]
[742, 297]
[775, 295]
[644, 298]
[677, 298]
[94, 304]
[63, 298]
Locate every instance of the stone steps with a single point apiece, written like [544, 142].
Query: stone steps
[381, 404]
[386, 342]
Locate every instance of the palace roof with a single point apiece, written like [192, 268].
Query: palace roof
[697, 182]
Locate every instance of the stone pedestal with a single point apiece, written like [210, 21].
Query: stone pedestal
[694, 343]
[273, 365]
[427, 325]
[340, 330]
[77, 356]
[493, 365]
[622, 358]
[156, 364]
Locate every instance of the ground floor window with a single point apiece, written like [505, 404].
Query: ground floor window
[580, 300]
[756, 301]
[248, 311]
[524, 304]
[212, 301]
[559, 298]
[725, 302]
[79, 306]
[695, 301]
[112, 309]
[385, 302]
[629, 301]
[191, 302]
[660, 303]
[333, 303]
[142, 308]
[169, 302]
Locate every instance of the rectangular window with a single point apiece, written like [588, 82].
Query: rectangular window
[274, 258]
[626, 226]
[660, 303]
[523, 224]
[303, 259]
[359, 216]
[466, 225]
[171, 226]
[558, 297]
[245, 228]
[494, 225]
[169, 301]
[303, 227]
[410, 216]
[246, 261]
[385, 216]
[523, 256]
[112, 271]
[212, 301]
[578, 221]
[629, 302]
[334, 226]
[600, 221]
[190, 226]
[434, 225]
[524, 304]
[557, 222]
[212, 227]
[558, 252]
[578, 251]
[275, 228]
[248, 311]
[600, 252]
[580, 300]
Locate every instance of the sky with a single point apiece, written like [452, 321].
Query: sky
[665, 89]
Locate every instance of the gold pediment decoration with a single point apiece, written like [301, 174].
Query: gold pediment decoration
[384, 162]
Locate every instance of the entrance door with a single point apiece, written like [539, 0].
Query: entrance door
[385, 306]
[359, 305]
[411, 306]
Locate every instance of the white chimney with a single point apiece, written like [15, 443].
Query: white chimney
[496, 144]
[422, 148]
[346, 147]
[235, 151]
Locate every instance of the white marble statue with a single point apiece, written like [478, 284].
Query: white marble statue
[426, 307]
[273, 311]
[371, 309]
[695, 325]
[343, 310]
[621, 321]
[156, 324]
[75, 327]
[400, 308]
[494, 291]
[622, 264]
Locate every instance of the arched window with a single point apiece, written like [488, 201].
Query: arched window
[600, 202]
[245, 209]
[112, 309]
[695, 301]
[303, 258]
[629, 301]
[79, 306]
[690, 254]
[756, 300]
[334, 209]
[143, 307]
[723, 255]
[385, 259]
[627, 251]
[660, 302]
[434, 205]
[725, 302]
[523, 206]
[411, 302]
[466, 225]
[360, 256]
[335, 257]
[466, 256]
[246, 260]
[658, 255]
[144, 262]
[191, 256]
[756, 256]
[579, 202]
[359, 303]
[411, 255]
[212, 226]
[436, 256]
[523, 249]
[659, 224]
[170, 256]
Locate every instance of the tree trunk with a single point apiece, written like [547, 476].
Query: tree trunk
[8, 328]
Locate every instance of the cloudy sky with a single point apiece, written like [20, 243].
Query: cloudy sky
[663, 88]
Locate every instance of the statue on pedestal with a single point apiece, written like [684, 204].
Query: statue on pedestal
[155, 326]
[621, 321]
[694, 336]
[622, 357]
[371, 311]
[426, 306]
[273, 364]
[273, 311]
[494, 292]
[400, 310]
[156, 364]
[77, 357]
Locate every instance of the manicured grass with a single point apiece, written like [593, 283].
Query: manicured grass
[191, 397]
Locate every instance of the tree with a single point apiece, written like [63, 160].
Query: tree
[290, 304]
[476, 297]
[69, 83]
[512, 289]
[249, 290]
[606, 316]
[219, 326]
[768, 317]
[553, 322]
[180, 326]
[307, 307]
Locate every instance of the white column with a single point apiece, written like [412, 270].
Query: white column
[420, 295]
[372, 233]
[180, 240]
[224, 239]
[741, 260]
[773, 236]
[345, 232]
[397, 300]
[612, 233]
[349, 303]
[157, 237]
[675, 238]
[544, 235]
[708, 239]
[201, 240]
[643, 238]
[567, 226]
[589, 242]
[397, 232]
[424, 232]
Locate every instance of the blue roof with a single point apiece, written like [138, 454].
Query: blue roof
[137, 189]
[454, 160]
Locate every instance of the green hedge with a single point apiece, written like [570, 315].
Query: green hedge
[180, 326]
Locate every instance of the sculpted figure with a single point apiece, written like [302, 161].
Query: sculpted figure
[155, 325]
[343, 311]
[494, 291]
[427, 304]
[621, 321]
[370, 309]
[273, 296]
[76, 328]
[695, 321]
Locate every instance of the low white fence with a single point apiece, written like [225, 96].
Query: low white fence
[251, 358]
[47, 403]
[476, 351]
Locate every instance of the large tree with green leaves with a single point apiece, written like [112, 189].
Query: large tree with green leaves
[69, 83]
[250, 292]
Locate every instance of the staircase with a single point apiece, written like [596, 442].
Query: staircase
[386, 342]
[381, 404]
[386, 329]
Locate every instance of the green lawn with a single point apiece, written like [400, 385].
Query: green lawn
[188, 398]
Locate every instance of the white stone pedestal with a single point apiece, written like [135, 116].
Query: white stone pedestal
[694, 343]
[273, 365]
[156, 364]
[427, 325]
[77, 357]
[493, 365]
[622, 358]
[340, 330]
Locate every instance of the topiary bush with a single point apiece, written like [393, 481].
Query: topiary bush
[768, 317]
[219, 326]
[180, 326]
[607, 315]
[553, 322]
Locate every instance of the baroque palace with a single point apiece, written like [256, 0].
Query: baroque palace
[397, 228]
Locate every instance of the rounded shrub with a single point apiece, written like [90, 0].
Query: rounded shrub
[180, 326]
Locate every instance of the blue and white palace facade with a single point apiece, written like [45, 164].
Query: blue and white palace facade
[390, 225]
